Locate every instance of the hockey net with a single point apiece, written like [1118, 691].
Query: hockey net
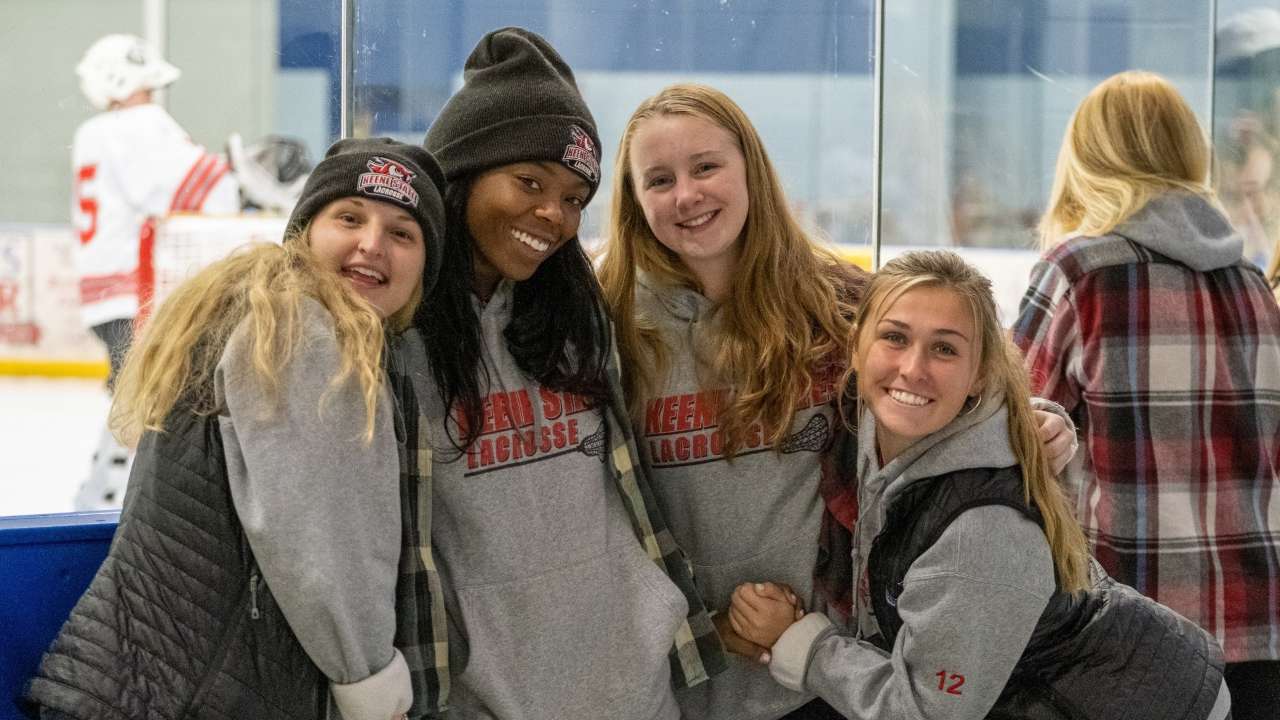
[186, 243]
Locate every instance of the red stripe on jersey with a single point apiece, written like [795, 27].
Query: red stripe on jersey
[182, 186]
[100, 287]
[198, 198]
[146, 271]
[198, 173]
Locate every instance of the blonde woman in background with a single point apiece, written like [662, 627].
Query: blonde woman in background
[1145, 321]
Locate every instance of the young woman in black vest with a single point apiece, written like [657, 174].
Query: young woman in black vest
[974, 595]
[268, 562]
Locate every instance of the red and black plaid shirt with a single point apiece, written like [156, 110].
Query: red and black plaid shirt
[1173, 377]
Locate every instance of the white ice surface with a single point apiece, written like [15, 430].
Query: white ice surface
[48, 431]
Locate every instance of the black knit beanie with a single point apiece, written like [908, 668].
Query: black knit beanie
[383, 169]
[518, 103]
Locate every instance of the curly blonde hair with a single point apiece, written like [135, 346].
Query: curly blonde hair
[175, 356]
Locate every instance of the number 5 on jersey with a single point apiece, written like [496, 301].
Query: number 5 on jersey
[86, 203]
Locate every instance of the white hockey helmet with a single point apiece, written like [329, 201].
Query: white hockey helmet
[117, 66]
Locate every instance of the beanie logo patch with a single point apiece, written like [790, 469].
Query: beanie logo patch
[580, 154]
[388, 179]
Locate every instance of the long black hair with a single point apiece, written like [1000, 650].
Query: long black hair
[558, 332]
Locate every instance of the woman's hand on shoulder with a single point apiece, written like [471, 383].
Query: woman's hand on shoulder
[1058, 438]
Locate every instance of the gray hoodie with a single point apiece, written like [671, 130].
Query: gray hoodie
[1187, 228]
[968, 604]
[555, 611]
[321, 509]
[751, 519]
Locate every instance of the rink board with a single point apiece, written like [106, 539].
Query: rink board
[46, 562]
[41, 332]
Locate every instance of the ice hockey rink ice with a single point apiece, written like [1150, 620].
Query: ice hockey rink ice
[48, 430]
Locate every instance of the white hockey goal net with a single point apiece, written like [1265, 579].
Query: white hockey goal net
[186, 243]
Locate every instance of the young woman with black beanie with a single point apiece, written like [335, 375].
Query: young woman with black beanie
[565, 594]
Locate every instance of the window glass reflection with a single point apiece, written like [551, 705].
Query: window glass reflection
[254, 68]
[1246, 127]
[977, 96]
[801, 70]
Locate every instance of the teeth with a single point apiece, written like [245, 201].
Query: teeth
[369, 273]
[531, 241]
[907, 398]
[698, 221]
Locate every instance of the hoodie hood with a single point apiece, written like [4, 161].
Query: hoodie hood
[972, 440]
[679, 302]
[1187, 228]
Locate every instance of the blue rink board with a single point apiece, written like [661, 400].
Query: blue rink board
[46, 562]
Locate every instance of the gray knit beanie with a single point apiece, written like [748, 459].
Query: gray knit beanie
[382, 169]
[518, 103]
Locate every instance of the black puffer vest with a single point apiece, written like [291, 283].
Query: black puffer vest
[178, 624]
[1104, 653]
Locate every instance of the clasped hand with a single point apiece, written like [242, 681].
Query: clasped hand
[757, 616]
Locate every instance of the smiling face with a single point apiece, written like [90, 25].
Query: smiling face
[917, 366]
[377, 247]
[519, 215]
[689, 177]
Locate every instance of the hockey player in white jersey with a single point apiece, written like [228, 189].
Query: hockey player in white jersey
[131, 164]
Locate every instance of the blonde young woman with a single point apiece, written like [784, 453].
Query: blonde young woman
[269, 559]
[1145, 321]
[974, 596]
[732, 323]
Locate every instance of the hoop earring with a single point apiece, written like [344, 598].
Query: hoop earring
[974, 406]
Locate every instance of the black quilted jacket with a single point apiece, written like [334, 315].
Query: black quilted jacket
[177, 624]
[1107, 653]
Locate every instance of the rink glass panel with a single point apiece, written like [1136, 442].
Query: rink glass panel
[976, 96]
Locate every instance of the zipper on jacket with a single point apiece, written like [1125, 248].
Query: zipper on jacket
[253, 596]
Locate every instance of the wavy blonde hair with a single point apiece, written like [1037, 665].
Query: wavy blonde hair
[1002, 371]
[791, 299]
[176, 354]
[1132, 138]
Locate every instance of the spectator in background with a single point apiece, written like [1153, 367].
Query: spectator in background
[1247, 127]
[1144, 319]
[131, 162]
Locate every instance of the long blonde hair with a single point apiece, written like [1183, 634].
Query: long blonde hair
[1132, 138]
[1001, 368]
[175, 356]
[790, 303]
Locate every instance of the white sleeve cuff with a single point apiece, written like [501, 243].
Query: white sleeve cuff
[384, 694]
[790, 655]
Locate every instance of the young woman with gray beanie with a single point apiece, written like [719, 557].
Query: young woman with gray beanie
[270, 561]
[566, 596]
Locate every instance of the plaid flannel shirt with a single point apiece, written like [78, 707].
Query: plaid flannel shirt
[1173, 376]
[422, 636]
